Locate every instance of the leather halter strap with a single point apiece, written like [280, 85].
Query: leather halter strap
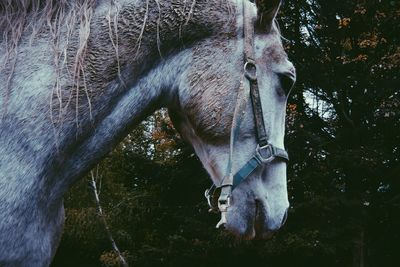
[265, 152]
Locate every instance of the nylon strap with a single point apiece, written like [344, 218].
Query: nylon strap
[256, 161]
[240, 108]
[248, 32]
[251, 75]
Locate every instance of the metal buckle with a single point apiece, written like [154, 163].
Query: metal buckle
[265, 153]
[224, 203]
[224, 197]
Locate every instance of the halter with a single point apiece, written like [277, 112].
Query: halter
[264, 152]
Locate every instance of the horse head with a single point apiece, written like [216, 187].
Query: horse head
[207, 97]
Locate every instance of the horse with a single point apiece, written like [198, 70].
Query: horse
[77, 76]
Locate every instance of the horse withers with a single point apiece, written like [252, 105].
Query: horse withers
[76, 76]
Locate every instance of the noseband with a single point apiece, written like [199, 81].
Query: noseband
[265, 152]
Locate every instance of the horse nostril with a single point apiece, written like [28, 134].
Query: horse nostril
[284, 217]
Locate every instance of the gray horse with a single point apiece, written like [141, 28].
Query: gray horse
[77, 76]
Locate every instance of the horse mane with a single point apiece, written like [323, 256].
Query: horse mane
[24, 20]
[18, 16]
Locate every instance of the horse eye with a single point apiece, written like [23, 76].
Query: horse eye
[287, 81]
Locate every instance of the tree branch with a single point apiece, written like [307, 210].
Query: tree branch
[103, 219]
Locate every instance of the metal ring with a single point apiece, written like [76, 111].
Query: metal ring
[250, 71]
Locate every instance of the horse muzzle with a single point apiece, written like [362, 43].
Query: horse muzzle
[267, 222]
[257, 220]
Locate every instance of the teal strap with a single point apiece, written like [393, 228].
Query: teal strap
[262, 156]
[245, 171]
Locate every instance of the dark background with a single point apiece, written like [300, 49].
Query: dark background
[343, 136]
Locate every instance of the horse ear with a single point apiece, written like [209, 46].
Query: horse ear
[267, 10]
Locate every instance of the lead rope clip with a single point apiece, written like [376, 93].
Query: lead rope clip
[222, 221]
[223, 204]
[223, 208]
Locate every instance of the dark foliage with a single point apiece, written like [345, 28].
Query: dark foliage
[343, 137]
